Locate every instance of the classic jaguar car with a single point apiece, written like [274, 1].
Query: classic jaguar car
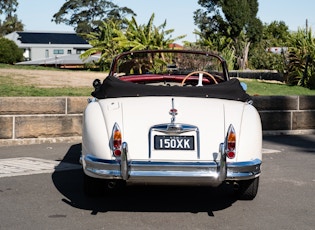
[171, 117]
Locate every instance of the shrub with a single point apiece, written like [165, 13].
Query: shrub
[10, 53]
[301, 60]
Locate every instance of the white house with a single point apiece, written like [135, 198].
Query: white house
[40, 47]
[277, 50]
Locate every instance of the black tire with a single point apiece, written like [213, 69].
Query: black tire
[93, 186]
[248, 189]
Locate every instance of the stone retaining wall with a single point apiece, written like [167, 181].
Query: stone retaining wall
[286, 114]
[25, 120]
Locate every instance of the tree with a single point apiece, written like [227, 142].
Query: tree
[148, 36]
[103, 42]
[301, 59]
[220, 44]
[11, 22]
[113, 38]
[87, 16]
[8, 7]
[275, 34]
[9, 52]
[235, 19]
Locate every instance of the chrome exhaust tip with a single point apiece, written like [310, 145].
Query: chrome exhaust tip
[236, 186]
[111, 185]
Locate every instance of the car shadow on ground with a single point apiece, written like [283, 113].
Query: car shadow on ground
[139, 198]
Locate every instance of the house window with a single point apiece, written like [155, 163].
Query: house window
[58, 51]
[69, 51]
[46, 53]
[79, 51]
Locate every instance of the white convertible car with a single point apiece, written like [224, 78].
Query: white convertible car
[171, 117]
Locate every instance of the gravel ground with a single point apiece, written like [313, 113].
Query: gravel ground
[50, 78]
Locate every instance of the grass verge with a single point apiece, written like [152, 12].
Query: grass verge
[265, 88]
[9, 88]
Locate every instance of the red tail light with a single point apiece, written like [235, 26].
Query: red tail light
[117, 137]
[230, 142]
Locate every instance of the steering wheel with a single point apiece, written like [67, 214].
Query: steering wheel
[199, 71]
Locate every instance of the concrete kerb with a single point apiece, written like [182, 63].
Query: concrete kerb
[29, 141]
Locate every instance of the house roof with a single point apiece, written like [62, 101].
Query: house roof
[175, 46]
[50, 38]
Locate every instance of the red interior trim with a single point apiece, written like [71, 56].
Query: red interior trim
[157, 78]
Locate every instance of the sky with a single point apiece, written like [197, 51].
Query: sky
[36, 15]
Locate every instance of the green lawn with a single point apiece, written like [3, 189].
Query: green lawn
[256, 87]
[32, 91]
[11, 88]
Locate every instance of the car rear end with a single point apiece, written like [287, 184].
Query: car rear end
[171, 140]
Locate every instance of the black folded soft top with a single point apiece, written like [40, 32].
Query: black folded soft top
[112, 87]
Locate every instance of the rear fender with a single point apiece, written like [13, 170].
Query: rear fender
[250, 135]
[95, 136]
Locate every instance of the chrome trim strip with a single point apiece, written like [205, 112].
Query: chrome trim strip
[107, 169]
[91, 158]
[173, 128]
[244, 163]
[244, 170]
[223, 165]
[124, 162]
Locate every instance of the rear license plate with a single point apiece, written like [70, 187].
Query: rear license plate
[174, 142]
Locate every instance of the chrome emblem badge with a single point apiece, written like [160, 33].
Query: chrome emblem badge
[173, 112]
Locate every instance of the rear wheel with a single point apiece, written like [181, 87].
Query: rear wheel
[248, 189]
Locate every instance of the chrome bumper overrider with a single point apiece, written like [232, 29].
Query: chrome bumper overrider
[204, 173]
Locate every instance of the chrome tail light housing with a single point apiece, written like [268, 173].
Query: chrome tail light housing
[116, 140]
[230, 143]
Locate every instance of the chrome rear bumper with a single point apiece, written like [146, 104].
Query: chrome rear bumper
[210, 173]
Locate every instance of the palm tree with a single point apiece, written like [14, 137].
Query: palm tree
[103, 42]
[112, 38]
[145, 37]
[11, 24]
